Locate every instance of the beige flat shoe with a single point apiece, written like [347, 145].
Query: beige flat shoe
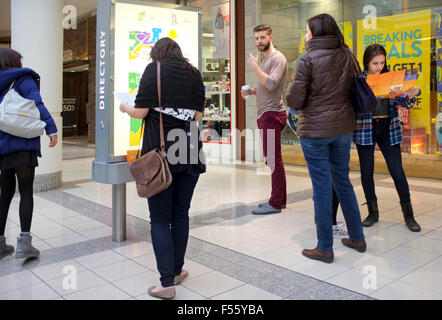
[180, 278]
[166, 293]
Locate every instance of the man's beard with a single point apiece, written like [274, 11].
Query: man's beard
[264, 48]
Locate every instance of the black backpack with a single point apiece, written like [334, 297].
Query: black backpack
[361, 96]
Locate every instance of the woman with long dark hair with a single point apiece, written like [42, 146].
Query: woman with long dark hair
[384, 128]
[18, 156]
[321, 91]
[182, 96]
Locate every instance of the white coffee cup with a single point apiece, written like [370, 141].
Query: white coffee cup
[246, 88]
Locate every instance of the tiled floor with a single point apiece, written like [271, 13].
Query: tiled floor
[231, 253]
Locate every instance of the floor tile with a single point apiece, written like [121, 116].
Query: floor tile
[392, 236]
[434, 234]
[254, 247]
[434, 265]
[425, 279]
[147, 261]
[85, 226]
[65, 216]
[427, 244]
[211, 284]
[102, 292]
[135, 250]
[97, 233]
[398, 290]
[71, 220]
[319, 270]
[283, 257]
[119, 270]
[39, 291]
[53, 232]
[138, 284]
[195, 269]
[410, 255]
[100, 259]
[246, 292]
[65, 239]
[17, 281]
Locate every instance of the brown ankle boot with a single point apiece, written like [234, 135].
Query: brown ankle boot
[315, 254]
[358, 246]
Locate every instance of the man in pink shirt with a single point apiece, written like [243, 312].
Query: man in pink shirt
[271, 113]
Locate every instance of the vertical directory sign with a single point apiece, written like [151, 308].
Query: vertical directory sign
[102, 80]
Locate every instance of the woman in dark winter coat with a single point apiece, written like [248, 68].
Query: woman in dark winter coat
[18, 156]
[321, 90]
[182, 96]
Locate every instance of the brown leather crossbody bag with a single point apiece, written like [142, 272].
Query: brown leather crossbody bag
[151, 171]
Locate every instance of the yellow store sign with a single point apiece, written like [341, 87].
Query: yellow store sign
[407, 40]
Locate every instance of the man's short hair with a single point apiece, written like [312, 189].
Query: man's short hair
[263, 27]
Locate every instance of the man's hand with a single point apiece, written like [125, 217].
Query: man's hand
[53, 141]
[251, 92]
[253, 61]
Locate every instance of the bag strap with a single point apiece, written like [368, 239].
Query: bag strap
[163, 146]
[141, 138]
[12, 85]
[159, 103]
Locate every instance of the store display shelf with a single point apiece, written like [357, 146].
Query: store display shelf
[209, 93]
[215, 119]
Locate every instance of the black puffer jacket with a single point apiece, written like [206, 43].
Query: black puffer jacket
[321, 89]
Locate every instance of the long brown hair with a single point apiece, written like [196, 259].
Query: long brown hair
[372, 51]
[9, 58]
[166, 48]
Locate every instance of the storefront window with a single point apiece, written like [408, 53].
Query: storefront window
[216, 69]
[409, 30]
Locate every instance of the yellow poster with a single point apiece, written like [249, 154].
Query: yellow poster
[407, 40]
[346, 29]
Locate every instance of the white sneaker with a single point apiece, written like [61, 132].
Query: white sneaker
[339, 232]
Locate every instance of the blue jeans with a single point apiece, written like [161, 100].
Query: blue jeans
[169, 220]
[327, 161]
[392, 156]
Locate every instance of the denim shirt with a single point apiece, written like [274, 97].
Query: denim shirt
[363, 134]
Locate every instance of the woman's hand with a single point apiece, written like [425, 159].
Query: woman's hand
[413, 92]
[123, 107]
[53, 141]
